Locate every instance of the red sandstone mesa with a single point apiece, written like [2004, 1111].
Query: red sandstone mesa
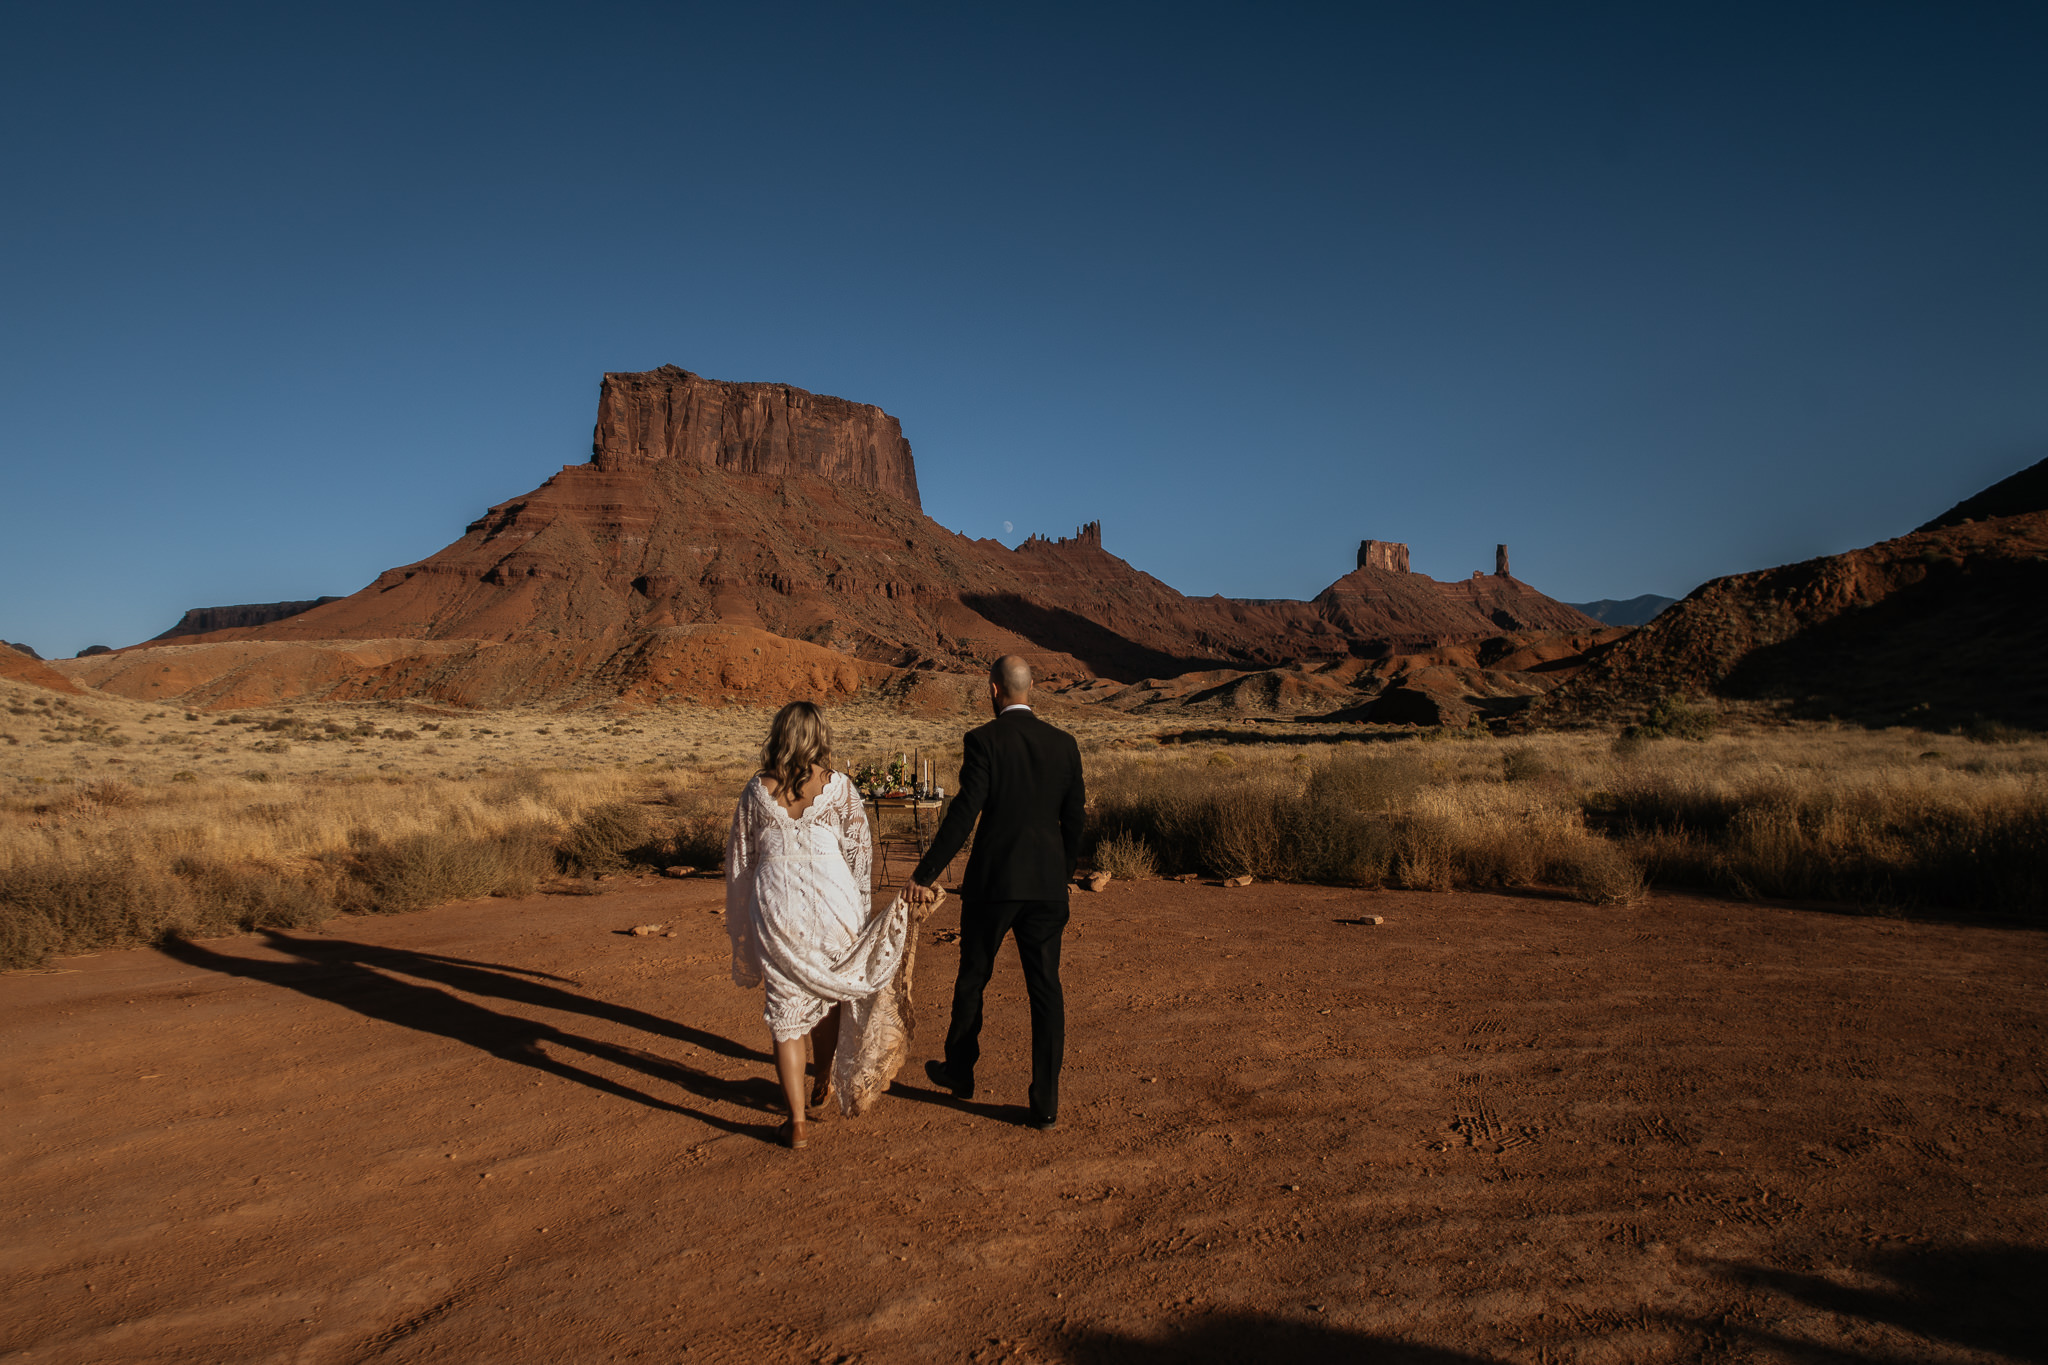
[671, 414]
[761, 507]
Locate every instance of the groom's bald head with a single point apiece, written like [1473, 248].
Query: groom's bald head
[1010, 678]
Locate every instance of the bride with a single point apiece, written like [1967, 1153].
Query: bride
[797, 909]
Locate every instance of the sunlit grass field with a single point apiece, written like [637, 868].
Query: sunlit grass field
[122, 824]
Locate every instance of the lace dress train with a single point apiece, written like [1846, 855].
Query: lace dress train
[797, 908]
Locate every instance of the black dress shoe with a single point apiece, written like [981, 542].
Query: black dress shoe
[944, 1080]
[1044, 1123]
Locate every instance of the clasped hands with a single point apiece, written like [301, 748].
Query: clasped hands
[921, 895]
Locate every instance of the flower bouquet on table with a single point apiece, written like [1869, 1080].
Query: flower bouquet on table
[875, 780]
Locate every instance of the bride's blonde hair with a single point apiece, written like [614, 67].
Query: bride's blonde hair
[798, 741]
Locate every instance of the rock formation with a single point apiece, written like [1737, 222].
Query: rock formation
[1937, 628]
[205, 620]
[17, 666]
[669, 414]
[1385, 555]
[762, 507]
[2015, 495]
[1411, 610]
[1635, 611]
[21, 649]
[1500, 562]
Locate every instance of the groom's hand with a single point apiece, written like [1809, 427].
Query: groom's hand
[919, 895]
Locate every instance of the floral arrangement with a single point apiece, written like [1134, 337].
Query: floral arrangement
[877, 780]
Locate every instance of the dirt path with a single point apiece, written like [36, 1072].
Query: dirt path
[1492, 1128]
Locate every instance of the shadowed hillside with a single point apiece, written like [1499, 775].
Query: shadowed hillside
[1938, 628]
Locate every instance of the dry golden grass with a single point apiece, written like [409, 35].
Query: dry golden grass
[121, 823]
[1890, 820]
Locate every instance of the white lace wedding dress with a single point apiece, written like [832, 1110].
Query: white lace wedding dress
[797, 910]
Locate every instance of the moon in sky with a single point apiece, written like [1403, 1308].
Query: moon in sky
[1007, 528]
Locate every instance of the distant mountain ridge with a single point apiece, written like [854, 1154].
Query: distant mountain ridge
[202, 620]
[751, 507]
[1633, 611]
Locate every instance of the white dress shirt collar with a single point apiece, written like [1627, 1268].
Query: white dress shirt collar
[1013, 706]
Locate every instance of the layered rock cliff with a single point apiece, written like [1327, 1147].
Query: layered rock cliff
[648, 418]
[763, 507]
[204, 620]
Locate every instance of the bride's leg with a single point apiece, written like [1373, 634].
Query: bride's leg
[824, 1044]
[789, 1069]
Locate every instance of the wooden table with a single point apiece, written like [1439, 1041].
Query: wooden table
[917, 806]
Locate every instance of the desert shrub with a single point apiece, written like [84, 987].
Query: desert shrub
[111, 794]
[1889, 843]
[515, 788]
[52, 905]
[1686, 798]
[1126, 857]
[1253, 819]
[1341, 843]
[425, 869]
[1599, 871]
[1628, 745]
[1523, 764]
[696, 838]
[1479, 835]
[225, 898]
[26, 939]
[1674, 718]
[1425, 856]
[1370, 782]
[605, 838]
[694, 823]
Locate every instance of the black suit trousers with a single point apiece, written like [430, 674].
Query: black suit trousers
[1037, 926]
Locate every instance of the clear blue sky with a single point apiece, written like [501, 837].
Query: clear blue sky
[289, 293]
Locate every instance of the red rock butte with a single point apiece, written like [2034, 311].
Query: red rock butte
[728, 511]
[672, 414]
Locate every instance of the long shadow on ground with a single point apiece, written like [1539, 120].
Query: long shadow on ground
[1982, 1298]
[1256, 1339]
[370, 980]
[1015, 1114]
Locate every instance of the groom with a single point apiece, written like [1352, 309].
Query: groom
[1022, 777]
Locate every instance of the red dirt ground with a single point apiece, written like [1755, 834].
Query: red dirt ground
[1493, 1128]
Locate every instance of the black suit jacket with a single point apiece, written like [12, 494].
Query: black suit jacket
[1022, 777]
